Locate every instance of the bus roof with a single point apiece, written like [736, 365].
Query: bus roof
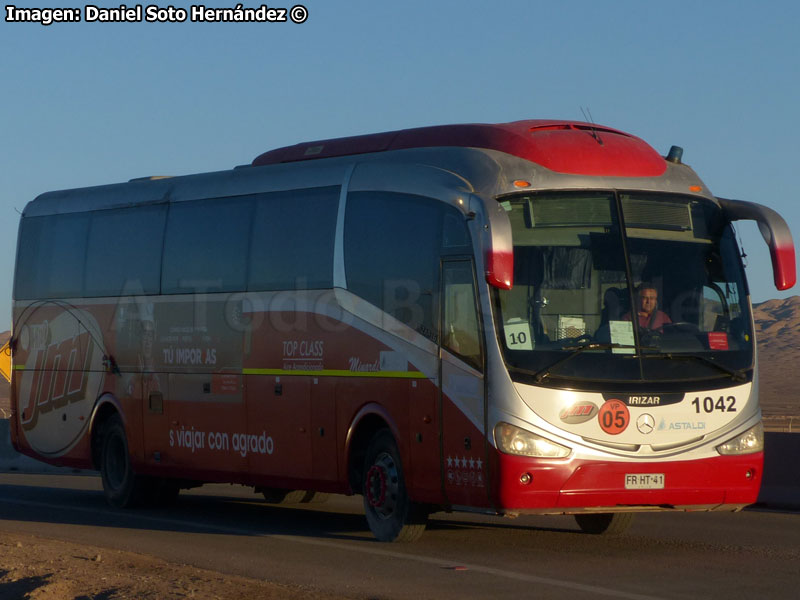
[563, 146]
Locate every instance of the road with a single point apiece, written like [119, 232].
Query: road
[754, 554]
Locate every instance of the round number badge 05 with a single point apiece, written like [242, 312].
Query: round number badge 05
[614, 417]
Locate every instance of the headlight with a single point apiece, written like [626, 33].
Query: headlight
[513, 440]
[750, 441]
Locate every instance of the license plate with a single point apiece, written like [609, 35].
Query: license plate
[644, 481]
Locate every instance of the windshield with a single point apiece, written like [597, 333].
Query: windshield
[623, 287]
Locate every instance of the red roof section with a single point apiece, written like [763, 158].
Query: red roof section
[563, 146]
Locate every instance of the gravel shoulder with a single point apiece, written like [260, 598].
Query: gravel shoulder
[35, 568]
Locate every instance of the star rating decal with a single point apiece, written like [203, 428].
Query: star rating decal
[465, 470]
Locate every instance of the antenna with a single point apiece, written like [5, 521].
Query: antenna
[742, 253]
[589, 118]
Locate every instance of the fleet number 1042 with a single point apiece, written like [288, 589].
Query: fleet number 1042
[709, 404]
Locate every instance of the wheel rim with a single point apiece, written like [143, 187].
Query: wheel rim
[383, 485]
[116, 462]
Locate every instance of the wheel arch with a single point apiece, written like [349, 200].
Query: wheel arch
[366, 422]
[106, 406]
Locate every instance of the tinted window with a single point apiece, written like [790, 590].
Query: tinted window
[124, 251]
[461, 328]
[51, 254]
[392, 246]
[293, 237]
[206, 246]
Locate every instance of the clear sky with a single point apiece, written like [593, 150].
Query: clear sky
[94, 103]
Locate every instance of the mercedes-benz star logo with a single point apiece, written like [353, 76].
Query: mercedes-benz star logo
[645, 423]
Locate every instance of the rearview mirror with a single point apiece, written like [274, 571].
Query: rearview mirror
[775, 232]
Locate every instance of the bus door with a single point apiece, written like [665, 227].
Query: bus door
[462, 390]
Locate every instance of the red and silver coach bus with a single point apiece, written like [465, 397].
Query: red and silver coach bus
[438, 319]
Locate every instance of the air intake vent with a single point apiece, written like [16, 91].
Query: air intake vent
[569, 212]
[652, 214]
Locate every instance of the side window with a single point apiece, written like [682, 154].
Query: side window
[29, 270]
[461, 327]
[52, 251]
[455, 235]
[124, 251]
[206, 246]
[293, 238]
[391, 249]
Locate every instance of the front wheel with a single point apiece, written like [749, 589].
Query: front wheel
[391, 516]
[605, 523]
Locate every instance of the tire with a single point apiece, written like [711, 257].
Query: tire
[121, 486]
[605, 523]
[391, 516]
[279, 496]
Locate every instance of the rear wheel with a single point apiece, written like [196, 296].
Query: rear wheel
[391, 516]
[121, 486]
[605, 523]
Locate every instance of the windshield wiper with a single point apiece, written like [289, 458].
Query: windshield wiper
[543, 374]
[738, 375]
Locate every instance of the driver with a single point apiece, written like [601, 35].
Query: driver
[647, 309]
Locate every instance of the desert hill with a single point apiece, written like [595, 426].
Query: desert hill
[777, 325]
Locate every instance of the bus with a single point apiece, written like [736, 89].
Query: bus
[437, 319]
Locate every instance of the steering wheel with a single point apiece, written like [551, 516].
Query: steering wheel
[581, 340]
[649, 337]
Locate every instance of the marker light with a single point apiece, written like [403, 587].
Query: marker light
[748, 442]
[514, 440]
[675, 155]
[521, 183]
